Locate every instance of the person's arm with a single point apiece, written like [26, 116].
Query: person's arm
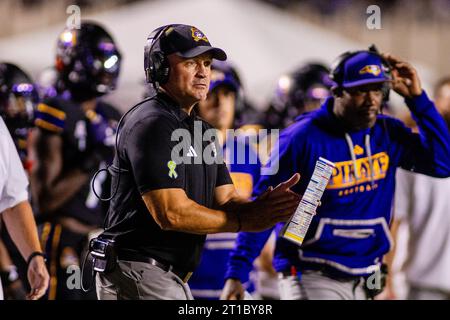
[18, 217]
[22, 228]
[429, 151]
[148, 147]
[389, 291]
[249, 244]
[173, 210]
[264, 262]
[12, 284]
[5, 259]
[227, 197]
[404, 196]
[248, 247]
[51, 185]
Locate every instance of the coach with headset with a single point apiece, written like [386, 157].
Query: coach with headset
[341, 256]
[170, 186]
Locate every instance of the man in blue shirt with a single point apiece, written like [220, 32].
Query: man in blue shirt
[219, 108]
[348, 237]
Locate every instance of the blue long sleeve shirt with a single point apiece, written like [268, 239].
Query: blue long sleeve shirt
[350, 232]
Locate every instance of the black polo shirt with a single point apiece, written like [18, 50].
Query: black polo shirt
[145, 149]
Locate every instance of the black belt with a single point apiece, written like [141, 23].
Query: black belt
[334, 274]
[183, 275]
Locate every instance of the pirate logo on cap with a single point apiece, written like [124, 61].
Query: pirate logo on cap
[373, 69]
[197, 35]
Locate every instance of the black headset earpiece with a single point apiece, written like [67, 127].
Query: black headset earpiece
[155, 61]
[336, 73]
[156, 72]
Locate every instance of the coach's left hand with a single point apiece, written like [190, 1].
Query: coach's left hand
[406, 81]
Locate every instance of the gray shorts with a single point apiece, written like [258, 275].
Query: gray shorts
[314, 285]
[131, 280]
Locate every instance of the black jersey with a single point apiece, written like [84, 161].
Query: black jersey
[145, 152]
[80, 149]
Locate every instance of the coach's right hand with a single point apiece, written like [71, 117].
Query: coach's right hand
[38, 278]
[273, 206]
[233, 290]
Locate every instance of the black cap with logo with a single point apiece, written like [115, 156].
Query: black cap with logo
[188, 42]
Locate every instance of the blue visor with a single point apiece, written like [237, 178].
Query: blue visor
[220, 78]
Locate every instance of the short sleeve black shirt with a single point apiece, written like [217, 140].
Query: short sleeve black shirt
[146, 147]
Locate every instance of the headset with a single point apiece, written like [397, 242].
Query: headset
[337, 69]
[156, 64]
[109, 168]
[112, 167]
[156, 72]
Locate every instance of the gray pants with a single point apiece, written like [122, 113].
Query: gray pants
[314, 285]
[133, 280]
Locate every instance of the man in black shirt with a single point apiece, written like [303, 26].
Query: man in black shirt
[75, 138]
[166, 198]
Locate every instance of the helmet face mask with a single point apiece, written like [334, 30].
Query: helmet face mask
[88, 61]
[18, 96]
[301, 91]
[21, 104]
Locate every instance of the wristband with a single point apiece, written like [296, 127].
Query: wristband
[34, 254]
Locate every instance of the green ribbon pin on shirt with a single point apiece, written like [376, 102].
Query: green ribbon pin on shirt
[172, 165]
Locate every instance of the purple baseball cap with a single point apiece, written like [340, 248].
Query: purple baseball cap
[364, 68]
[223, 74]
